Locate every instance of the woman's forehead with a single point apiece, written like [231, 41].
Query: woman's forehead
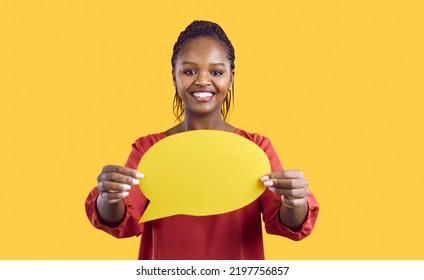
[203, 48]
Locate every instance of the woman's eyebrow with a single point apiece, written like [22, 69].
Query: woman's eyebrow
[188, 62]
[218, 64]
[212, 64]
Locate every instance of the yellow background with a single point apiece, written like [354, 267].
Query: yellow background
[336, 85]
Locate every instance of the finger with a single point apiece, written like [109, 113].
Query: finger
[106, 186]
[291, 193]
[113, 197]
[122, 170]
[285, 183]
[284, 174]
[118, 178]
[294, 203]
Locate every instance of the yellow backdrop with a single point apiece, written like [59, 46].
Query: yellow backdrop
[336, 85]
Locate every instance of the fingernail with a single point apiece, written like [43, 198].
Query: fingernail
[264, 178]
[135, 182]
[124, 194]
[268, 183]
[139, 175]
[271, 189]
[126, 187]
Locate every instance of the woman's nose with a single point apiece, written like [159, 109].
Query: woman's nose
[202, 79]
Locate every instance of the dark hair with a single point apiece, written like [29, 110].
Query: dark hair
[201, 28]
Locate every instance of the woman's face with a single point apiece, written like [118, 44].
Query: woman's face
[202, 76]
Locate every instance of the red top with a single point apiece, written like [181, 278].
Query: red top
[234, 235]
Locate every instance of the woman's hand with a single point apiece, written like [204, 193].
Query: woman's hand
[114, 182]
[293, 188]
[291, 184]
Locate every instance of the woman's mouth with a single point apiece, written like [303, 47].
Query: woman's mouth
[202, 96]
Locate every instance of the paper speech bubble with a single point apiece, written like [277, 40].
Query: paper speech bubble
[201, 172]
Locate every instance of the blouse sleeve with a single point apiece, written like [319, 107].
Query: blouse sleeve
[271, 203]
[135, 202]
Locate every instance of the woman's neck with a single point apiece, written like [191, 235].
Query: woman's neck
[196, 123]
[203, 123]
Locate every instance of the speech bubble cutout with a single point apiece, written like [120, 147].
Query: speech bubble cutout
[200, 173]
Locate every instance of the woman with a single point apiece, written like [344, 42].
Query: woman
[203, 76]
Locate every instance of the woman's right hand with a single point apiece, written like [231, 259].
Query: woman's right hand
[114, 182]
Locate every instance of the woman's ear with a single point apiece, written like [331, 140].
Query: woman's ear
[232, 78]
[173, 78]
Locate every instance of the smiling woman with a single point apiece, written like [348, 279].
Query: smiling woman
[210, 31]
[203, 75]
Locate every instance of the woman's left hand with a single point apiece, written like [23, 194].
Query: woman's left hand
[290, 184]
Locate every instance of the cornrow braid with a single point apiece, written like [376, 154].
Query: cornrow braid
[201, 28]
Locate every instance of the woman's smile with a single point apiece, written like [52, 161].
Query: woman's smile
[203, 96]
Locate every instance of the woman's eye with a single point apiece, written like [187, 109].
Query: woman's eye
[216, 73]
[189, 72]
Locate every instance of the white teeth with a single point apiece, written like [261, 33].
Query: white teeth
[202, 94]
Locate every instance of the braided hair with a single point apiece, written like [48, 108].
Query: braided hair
[201, 28]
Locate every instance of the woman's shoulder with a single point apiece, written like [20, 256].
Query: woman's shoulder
[149, 140]
[252, 136]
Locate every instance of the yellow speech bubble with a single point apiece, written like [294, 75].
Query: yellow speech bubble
[201, 172]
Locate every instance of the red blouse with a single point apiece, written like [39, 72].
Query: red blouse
[234, 235]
